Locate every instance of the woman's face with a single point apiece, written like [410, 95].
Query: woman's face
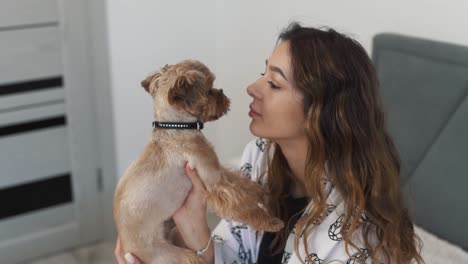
[276, 110]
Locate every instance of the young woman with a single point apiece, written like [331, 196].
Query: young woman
[325, 157]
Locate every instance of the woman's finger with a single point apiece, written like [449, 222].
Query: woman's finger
[131, 259]
[127, 258]
[193, 175]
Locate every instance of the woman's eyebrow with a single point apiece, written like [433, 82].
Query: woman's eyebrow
[276, 69]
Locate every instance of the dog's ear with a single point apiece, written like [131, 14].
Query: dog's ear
[188, 92]
[146, 83]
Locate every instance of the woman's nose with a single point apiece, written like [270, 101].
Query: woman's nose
[252, 91]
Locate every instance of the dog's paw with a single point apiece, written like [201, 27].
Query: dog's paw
[269, 224]
[274, 225]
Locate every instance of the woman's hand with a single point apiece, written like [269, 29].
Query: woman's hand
[190, 218]
[128, 258]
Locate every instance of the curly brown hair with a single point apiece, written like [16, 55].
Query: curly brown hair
[348, 138]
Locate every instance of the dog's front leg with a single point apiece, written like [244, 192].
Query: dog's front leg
[208, 168]
[232, 196]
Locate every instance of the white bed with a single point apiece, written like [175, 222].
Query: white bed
[439, 251]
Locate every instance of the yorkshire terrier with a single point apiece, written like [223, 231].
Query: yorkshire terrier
[155, 185]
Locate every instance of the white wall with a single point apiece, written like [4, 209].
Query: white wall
[143, 36]
[234, 38]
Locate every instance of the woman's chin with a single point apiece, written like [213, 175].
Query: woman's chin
[253, 128]
[256, 130]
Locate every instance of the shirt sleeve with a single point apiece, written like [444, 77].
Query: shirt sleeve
[229, 246]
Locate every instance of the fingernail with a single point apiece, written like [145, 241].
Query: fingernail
[129, 258]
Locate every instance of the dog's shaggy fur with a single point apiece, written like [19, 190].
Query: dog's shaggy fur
[155, 185]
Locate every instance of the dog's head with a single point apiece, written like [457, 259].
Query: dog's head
[187, 86]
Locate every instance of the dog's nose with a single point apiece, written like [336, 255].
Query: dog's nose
[221, 90]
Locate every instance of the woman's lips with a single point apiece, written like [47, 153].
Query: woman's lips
[253, 113]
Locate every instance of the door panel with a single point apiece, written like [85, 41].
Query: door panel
[49, 196]
[36, 221]
[15, 13]
[30, 54]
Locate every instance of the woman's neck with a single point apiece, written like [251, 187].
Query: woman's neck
[295, 152]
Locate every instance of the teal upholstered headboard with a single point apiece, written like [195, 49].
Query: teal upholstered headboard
[424, 85]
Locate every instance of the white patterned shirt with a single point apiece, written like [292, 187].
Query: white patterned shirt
[238, 243]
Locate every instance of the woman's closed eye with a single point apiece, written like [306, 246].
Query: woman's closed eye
[272, 85]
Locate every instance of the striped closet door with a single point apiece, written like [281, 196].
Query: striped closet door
[48, 193]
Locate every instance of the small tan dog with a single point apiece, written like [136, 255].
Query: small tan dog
[155, 185]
